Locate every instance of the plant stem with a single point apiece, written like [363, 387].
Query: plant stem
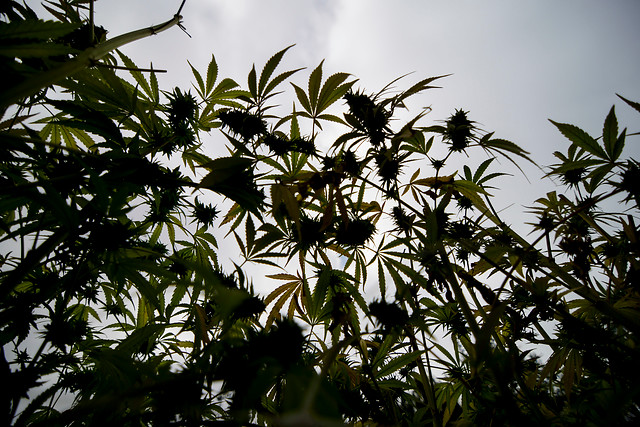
[85, 59]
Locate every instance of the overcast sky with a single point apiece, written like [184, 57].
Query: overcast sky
[514, 63]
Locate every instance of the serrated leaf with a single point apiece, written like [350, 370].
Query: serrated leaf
[155, 90]
[279, 79]
[397, 363]
[355, 293]
[331, 118]
[382, 282]
[226, 167]
[89, 120]
[490, 176]
[418, 87]
[472, 192]
[580, 138]
[619, 145]
[435, 181]
[137, 75]
[295, 126]
[467, 173]
[302, 97]
[133, 342]
[383, 350]
[225, 176]
[315, 79]
[269, 68]
[178, 293]
[481, 169]
[35, 29]
[598, 174]
[212, 75]
[252, 82]
[281, 194]
[36, 50]
[275, 311]
[503, 145]
[610, 133]
[319, 294]
[573, 165]
[634, 105]
[200, 88]
[250, 233]
[333, 90]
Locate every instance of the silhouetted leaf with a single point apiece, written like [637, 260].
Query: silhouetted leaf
[268, 70]
[40, 50]
[137, 75]
[610, 134]
[212, 75]
[580, 138]
[35, 29]
[397, 363]
[634, 105]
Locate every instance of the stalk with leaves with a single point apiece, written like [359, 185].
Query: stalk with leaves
[398, 294]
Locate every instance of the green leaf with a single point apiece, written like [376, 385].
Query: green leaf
[155, 90]
[33, 50]
[200, 88]
[285, 292]
[383, 350]
[252, 82]
[333, 90]
[490, 177]
[282, 194]
[350, 285]
[580, 138]
[314, 87]
[397, 363]
[269, 68]
[573, 165]
[634, 105]
[35, 29]
[473, 192]
[319, 293]
[618, 147]
[139, 337]
[610, 133]
[302, 97]
[598, 174]
[331, 118]
[418, 87]
[504, 146]
[178, 293]
[137, 75]
[212, 75]
[224, 91]
[295, 126]
[226, 167]
[89, 120]
[481, 169]
[250, 234]
[233, 178]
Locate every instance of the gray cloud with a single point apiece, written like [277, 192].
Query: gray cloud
[515, 64]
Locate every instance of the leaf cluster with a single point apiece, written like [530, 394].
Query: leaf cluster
[398, 294]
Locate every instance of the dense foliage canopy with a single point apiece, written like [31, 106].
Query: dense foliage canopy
[116, 221]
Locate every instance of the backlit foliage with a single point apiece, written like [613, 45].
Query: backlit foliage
[398, 294]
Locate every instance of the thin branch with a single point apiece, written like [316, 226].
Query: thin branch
[83, 60]
[91, 23]
[120, 67]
